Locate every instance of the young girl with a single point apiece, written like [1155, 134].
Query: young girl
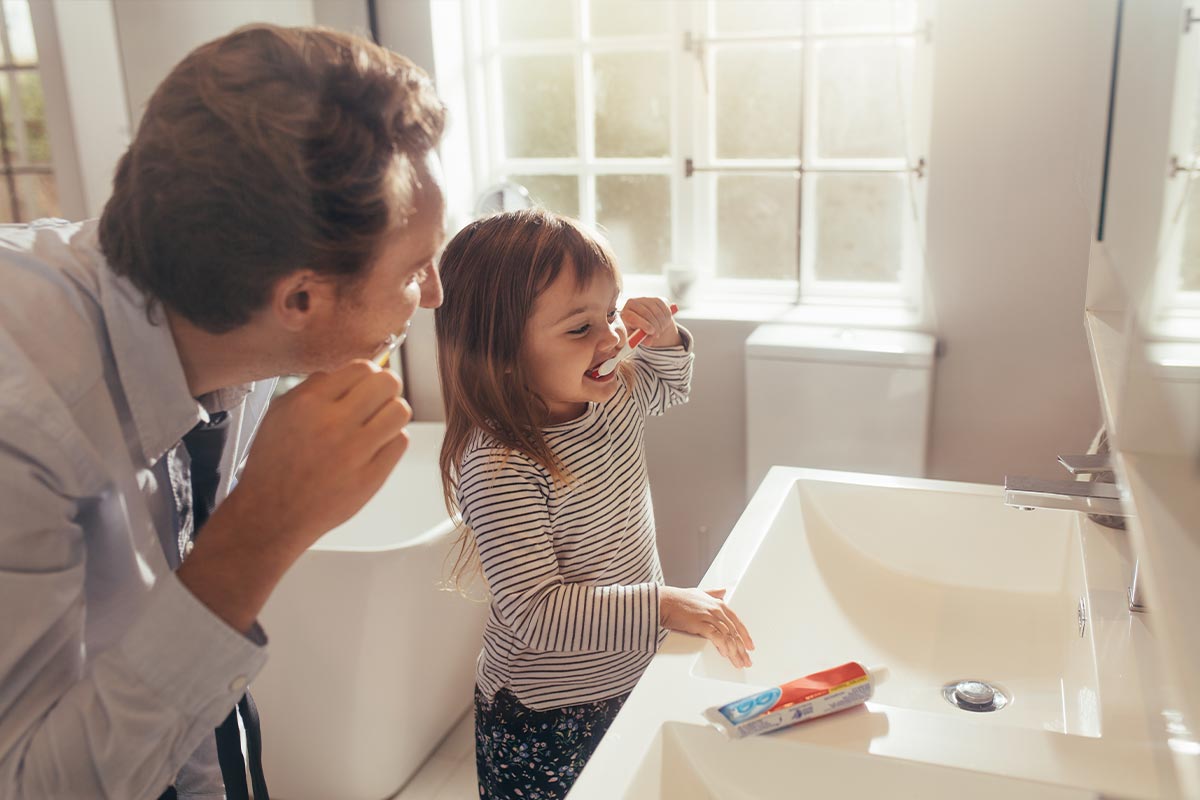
[546, 467]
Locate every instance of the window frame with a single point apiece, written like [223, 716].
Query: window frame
[691, 136]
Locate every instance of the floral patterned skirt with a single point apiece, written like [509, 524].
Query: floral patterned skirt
[535, 755]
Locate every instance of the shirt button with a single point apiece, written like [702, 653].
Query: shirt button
[238, 684]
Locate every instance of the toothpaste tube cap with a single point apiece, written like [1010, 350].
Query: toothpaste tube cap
[879, 673]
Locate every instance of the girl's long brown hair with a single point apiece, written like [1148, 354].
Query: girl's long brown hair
[492, 272]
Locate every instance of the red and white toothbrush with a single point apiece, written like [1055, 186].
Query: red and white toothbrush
[625, 352]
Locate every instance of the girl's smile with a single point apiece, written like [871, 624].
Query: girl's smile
[572, 330]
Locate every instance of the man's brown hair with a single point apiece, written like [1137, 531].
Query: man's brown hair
[265, 151]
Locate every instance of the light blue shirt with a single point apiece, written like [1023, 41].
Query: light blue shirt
[112, 674]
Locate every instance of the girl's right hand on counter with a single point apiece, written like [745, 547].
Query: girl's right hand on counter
[703, 612]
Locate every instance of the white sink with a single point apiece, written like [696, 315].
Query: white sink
[692, 762]
[940, 582]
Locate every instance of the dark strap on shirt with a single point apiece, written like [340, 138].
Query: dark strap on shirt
[205, 444]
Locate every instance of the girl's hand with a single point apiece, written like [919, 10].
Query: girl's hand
[653, 315]
[704, 613]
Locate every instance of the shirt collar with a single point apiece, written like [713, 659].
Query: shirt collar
[148, 365]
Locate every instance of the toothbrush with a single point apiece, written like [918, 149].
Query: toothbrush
[625, 352]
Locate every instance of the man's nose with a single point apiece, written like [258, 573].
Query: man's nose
[431, 289]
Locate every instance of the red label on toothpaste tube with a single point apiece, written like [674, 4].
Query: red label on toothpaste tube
[795, 701]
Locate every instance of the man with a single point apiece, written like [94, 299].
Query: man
[279, 211]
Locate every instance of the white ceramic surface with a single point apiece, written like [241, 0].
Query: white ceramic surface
[370, 663]
[938, 585]
[938, 581]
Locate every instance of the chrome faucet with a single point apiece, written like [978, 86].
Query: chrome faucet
[1090, 497]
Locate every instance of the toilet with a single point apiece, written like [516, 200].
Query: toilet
[849, 399]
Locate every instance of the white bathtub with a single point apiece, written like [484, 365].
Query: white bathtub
[370, 663]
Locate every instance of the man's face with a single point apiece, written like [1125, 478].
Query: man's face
[404, 276]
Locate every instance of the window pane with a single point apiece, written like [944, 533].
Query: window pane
[20, 32]
[758, 102]
[629, 17]
[634, 211]
[756, 226]
[534, 19]
[39, 196]
[33, 107]
[859, 226]
[539, 106]
[1189, 257]
[867, 17]
[758, 16]
[554, 192]
[633, 105]
[862, 92]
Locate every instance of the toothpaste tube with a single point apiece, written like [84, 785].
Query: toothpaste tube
[795, 701]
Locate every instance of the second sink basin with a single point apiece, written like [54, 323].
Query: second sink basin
[941, 582]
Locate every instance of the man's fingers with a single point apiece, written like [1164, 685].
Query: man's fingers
[368, 396]
[332, 385]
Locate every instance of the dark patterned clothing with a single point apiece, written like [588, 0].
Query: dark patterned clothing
[535, 755]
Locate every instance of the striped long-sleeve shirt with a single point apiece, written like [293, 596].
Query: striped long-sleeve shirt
[573, 571]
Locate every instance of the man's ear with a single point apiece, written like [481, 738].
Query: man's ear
[299, 297]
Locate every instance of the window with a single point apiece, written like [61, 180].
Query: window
[27, 186]
[776, 147]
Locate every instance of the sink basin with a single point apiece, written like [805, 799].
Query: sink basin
[939, 581]
[692, 762]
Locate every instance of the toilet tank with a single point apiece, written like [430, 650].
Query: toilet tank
[837, 398]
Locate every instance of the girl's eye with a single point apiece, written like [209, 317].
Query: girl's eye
[580, 331]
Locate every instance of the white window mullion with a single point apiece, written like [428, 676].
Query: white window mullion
[585, 112]
[807, 254]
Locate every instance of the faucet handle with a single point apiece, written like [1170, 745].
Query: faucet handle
[1086, 464]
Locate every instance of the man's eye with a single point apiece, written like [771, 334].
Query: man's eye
[612, 315]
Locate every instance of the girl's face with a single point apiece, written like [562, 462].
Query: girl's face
[571, 331]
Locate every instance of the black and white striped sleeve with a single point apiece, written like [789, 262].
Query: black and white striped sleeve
[506, 505]
[663, 375]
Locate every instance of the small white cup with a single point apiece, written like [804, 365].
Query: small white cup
[681, 282]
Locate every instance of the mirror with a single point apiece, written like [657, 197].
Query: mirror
[1144, 280]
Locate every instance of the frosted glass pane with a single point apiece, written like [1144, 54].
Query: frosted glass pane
[1189, 256]
[859, 226]
[756, 226]
[539, 106]
[534, 19]
[633, 105]
[635, 213]
[862, 93]
[758, 102]
[758, 16]
[20, 32]
[630, 17]
[554, 192]
[39, 196]
[873, 16]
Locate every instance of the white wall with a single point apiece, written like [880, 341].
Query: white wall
[1008, 236]
[155, 35]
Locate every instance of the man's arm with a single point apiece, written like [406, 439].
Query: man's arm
[122, 723]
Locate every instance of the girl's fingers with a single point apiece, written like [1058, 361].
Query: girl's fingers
[741, 629]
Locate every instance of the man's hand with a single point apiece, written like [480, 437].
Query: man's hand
[321, 453]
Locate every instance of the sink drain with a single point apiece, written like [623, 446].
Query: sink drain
[972, 695]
